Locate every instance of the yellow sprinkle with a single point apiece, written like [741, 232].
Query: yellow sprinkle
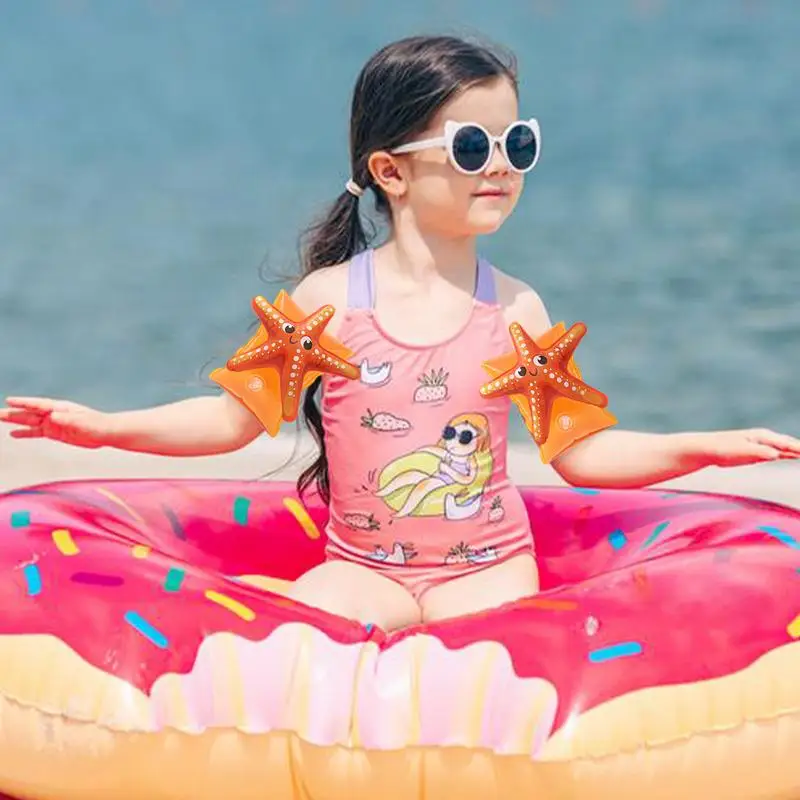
[241, 610]
[140, 551]
[120, 502]
[793, 628]
[65, 543]
[301, 515]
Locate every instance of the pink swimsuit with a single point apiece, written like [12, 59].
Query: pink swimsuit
[419, 489]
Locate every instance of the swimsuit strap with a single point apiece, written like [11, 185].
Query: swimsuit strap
[361, 281]
[485, 290]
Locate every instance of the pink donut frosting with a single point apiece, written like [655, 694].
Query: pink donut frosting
[639, 589]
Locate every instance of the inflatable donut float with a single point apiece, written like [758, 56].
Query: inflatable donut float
[147, 650]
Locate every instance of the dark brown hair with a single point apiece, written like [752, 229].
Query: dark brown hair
[396, 96]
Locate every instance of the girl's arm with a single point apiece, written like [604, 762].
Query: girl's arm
[629, 459]
[617, 459]
[198, 426]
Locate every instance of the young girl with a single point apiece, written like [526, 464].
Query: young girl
[417, 457]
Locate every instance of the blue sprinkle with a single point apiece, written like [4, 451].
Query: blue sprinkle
[141, 625]
[241, 508]
[34, 579]
[617, 539]
[369, 626]
[580, 490]
[20, 519]
[781, 536]
[613, 651]
[654, 535]
[174, 522]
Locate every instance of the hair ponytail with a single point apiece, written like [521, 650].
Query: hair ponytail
[397, 95]
[334, 239]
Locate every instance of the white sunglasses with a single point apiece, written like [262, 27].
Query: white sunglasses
[470, 146]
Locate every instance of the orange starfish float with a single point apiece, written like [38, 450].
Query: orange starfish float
[289, 351]
[542, 379]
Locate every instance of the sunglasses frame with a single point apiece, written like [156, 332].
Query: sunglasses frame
[452, 128]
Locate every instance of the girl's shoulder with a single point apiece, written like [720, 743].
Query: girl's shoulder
[325, 286]
[521, 303]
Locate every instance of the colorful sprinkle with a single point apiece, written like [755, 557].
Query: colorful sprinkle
[33, 578]
[174, 522]
[617, 539]
[369, 626]
[63, 540]
[614, 651]
[234, 606]
[657, 531]
[241, 509]
[591, 626]
[97, 579]
[640, 580]
[120, 502]
[553, 605]
[793, 628]
[140, 551]
[20, 519]
[298, 511]
[174, 579]
[781, 536]
[141, 625]
[581, 490]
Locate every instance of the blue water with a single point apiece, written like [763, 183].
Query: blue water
[155, 155]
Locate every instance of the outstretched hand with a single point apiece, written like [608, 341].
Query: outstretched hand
[753, 446]
[61, 420]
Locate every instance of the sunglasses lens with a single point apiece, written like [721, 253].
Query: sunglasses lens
[471, 148]
[465, 437]
[449, 432]
[522, 147]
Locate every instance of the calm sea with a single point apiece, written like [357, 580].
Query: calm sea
[154, 156]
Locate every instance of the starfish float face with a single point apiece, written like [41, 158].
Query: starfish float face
[540, 375]
[293, 348]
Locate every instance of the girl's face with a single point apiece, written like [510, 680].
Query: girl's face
[448, 202]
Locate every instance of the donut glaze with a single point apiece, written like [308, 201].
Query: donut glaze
[126, 606]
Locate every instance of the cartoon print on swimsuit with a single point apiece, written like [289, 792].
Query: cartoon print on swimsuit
[385, 422]
[432, 387]
[463, 553]
[402, 553]
[361, 521]
[442, 480]
[496, 511]
[375, 376]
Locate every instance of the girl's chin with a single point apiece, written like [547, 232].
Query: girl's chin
[487, 221]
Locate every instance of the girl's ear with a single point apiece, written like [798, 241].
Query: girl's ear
[387, 173]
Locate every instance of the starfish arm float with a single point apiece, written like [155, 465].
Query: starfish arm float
[541, 377]
[289, 351]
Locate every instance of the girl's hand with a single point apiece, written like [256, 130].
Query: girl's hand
[60, 420]
[738, 448]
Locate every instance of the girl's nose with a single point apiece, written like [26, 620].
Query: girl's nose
[497, 163]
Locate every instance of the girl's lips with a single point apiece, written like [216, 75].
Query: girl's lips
[491, 193]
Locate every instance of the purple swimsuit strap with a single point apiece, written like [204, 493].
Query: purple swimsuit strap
[361, 282]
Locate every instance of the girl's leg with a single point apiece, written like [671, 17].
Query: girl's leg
[491, 587]
[356, 592]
